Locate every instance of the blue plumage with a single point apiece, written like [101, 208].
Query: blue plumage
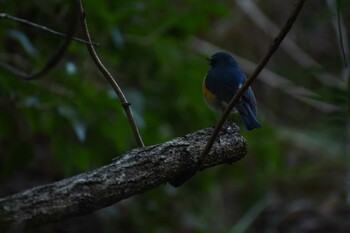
[223, 80]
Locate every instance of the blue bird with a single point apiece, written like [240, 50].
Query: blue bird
[222, 82]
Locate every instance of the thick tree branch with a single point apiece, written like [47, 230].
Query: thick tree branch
[134, 172]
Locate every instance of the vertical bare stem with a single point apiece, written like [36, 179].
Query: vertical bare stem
[109, 77]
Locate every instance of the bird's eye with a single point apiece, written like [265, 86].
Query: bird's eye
[213, 62]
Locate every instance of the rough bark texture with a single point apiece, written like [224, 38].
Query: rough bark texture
[132, 173]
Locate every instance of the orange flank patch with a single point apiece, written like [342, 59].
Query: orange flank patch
[211, 100]
[208, 95]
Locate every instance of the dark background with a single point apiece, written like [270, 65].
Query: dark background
[295, 177]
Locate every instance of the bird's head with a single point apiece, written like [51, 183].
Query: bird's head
[222, 59]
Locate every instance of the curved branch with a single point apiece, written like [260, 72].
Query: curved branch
[134, 172]
[109, 77]
[53, 60]
[29, 23]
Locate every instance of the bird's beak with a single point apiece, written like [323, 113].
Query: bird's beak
[208, 59]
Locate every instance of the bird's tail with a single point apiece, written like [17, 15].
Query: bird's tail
[249, 118]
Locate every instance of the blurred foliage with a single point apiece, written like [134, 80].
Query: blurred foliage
[69, 121]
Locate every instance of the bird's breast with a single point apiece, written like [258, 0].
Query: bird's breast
[211, 99]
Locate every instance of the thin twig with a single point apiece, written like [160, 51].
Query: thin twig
[52, 61]
[109, 77]
[293, 50]
[341, 42]
[342, 38]
[250, 80]
[29, 23]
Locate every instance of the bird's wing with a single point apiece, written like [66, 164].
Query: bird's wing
[231, 81]
[226, 84]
